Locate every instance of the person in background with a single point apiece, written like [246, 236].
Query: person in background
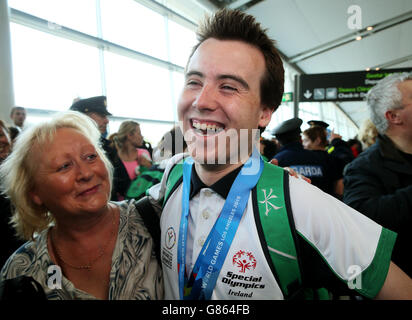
[96, 109]
[8, 239]
[134, 159]
[5, 142]
[336, 147]
[268, 149]
[379, 182]
[171, 144]
[58, 180]
[356, 147]
[14, 132]
[315, 165]
[314, 139]
[367, 134]
[18, 116]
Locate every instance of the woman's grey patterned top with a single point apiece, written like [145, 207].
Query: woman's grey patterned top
[135, 273]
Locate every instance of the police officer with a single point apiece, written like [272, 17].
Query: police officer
[321, 170]
[337, 148]
[319, 123]
[96, 108]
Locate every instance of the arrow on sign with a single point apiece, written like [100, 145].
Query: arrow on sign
[307, 94]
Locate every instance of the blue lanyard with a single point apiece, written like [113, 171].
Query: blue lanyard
[202, 281]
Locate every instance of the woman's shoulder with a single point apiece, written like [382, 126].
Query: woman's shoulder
[27, 259]
[131, 219]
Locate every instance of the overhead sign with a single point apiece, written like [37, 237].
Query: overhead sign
[341, 86]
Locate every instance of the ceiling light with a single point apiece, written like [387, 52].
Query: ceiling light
[369, 28]
[377, 69]
[368, 69]
[358, 38]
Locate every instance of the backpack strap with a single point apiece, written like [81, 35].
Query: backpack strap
[152, 222]
[174, 179]
[278, 229]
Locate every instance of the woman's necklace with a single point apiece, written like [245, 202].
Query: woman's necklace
[89, 266]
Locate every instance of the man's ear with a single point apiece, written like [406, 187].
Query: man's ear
[393, 117]
[265, 117]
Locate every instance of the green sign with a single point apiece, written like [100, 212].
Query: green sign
[287, 97]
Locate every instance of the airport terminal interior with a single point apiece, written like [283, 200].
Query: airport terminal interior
[134, 52]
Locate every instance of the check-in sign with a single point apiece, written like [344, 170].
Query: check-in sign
[342, 86]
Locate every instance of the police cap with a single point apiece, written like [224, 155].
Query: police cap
[93, 104]
[319, 123]
[288, 126]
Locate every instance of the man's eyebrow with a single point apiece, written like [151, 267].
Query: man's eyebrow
[238, 79]
[194, 73]
[242, 82]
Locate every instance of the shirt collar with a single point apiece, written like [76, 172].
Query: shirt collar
[222, 187]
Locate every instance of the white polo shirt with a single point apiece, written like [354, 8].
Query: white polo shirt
[351, 244]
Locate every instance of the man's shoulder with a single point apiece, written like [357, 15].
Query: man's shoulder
[369, 158]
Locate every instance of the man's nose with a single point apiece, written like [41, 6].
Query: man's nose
[206, 98]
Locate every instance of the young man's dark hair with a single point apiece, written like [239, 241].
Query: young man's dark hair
[236, 25]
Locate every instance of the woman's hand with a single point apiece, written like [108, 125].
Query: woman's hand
[144, 161]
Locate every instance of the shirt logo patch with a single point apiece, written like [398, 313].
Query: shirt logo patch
[244, 261]
[267, 202]
[170, 240]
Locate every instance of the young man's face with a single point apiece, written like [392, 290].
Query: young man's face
[18, 117]
[221, 96]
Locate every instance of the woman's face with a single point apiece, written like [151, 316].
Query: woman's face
[4, 144]
[70, 179]
[136, 138]
[307, 143]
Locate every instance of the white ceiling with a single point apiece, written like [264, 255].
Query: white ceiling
[300, 25]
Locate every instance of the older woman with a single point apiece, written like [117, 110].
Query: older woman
[59, 182]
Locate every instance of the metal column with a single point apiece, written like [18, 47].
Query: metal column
[6, 70]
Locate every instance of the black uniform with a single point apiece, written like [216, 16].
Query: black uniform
[316, 165]
[121, 180]
[8, 238]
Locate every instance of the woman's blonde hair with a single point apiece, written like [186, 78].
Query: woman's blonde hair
[126, 128]
[367, 133]
[18, 170]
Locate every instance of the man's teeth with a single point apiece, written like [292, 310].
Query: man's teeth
[206, 127]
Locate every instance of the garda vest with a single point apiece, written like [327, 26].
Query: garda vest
[279, 240]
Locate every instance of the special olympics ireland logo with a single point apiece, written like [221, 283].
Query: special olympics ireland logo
[244, 261]
[170, 238]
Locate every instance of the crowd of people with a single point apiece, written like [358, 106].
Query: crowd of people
[233, 223]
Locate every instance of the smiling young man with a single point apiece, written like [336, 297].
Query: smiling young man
[234, 227]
